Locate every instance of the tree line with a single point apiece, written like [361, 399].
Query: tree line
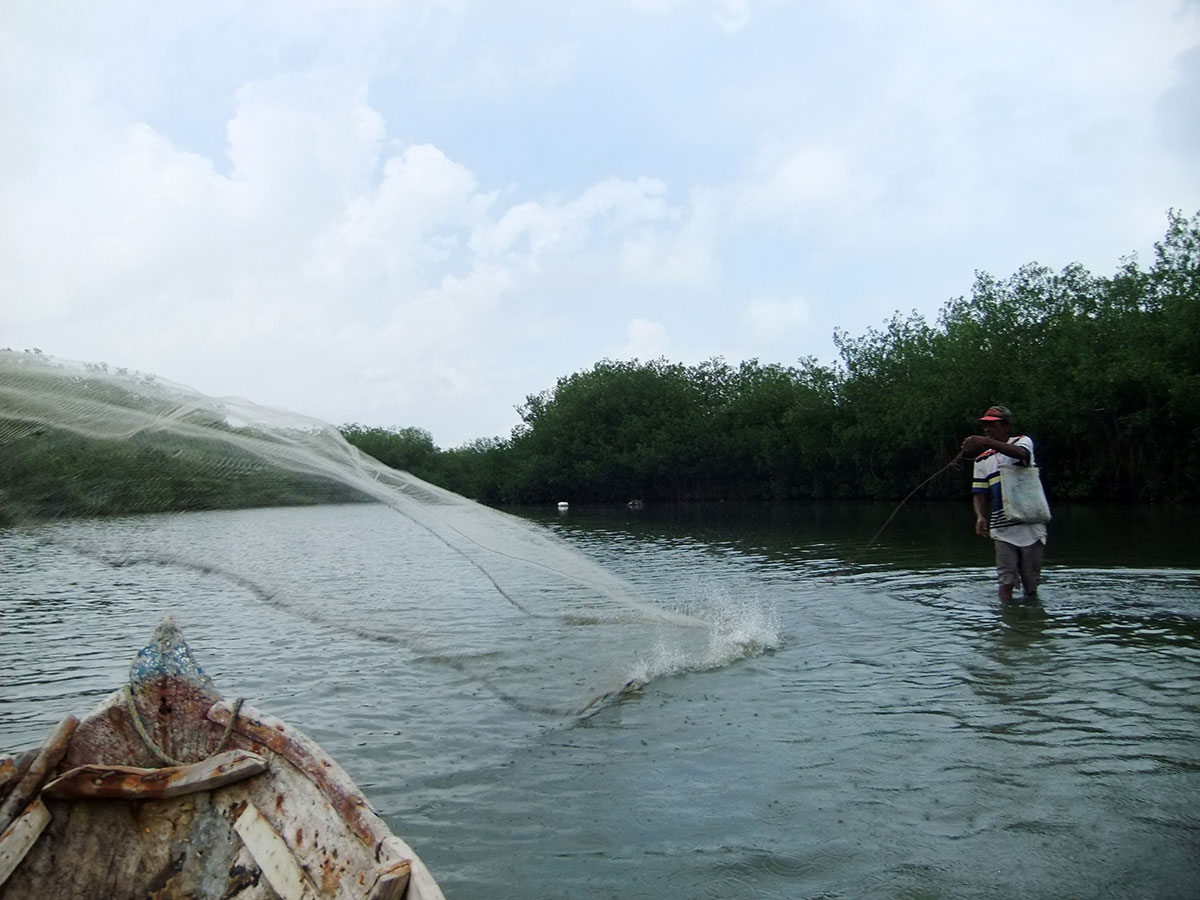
[1103, 371]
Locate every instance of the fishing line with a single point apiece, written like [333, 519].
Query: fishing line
[954, 463]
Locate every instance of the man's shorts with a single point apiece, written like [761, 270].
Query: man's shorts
[1020, 565]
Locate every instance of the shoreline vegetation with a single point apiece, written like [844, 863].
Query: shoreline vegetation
[1104, 372]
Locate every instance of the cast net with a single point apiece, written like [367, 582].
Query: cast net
[501, 599]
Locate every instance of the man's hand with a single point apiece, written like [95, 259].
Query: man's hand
[981, 526]
[974, 445]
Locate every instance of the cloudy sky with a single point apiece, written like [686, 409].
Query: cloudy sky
[418, 212]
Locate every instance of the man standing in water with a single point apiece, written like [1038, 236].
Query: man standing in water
[1019, 547]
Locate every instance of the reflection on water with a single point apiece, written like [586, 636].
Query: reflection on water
[896, 733]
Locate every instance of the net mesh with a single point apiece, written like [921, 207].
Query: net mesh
[501, 599]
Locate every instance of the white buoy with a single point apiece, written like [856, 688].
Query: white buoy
[563, 504]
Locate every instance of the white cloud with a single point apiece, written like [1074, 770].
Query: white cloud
[325, 250]
[645, 340]
[730, 15]
[655, 7]
[683, 250]
[411, 225]
[307, 140]
[420, 213]
[770, 320]
[535, 228]
[800, 188]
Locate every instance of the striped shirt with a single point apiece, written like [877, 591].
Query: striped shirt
[987, 481]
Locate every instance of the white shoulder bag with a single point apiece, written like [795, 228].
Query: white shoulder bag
[1022, 495]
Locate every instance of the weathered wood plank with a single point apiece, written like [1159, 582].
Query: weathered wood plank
[132, 783]
[20, 836]
[391, 883]
[273, 856]
[49, 756]
[420, 883]
[10, 773]
[302, 752]
[307, 756]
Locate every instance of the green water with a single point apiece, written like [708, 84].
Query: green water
[860, 721]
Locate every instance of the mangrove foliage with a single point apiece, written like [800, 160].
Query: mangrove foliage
[1103, 372]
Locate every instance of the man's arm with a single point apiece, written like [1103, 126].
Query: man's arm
[977, 443]
[982, 506]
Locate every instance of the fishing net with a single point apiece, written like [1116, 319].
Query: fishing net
[502, 600]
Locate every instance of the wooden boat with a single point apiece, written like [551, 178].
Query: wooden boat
[167, 790]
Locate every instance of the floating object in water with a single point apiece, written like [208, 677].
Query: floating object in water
[166, 788]
[563, 505]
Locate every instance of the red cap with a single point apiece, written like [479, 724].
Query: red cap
[997, 414]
